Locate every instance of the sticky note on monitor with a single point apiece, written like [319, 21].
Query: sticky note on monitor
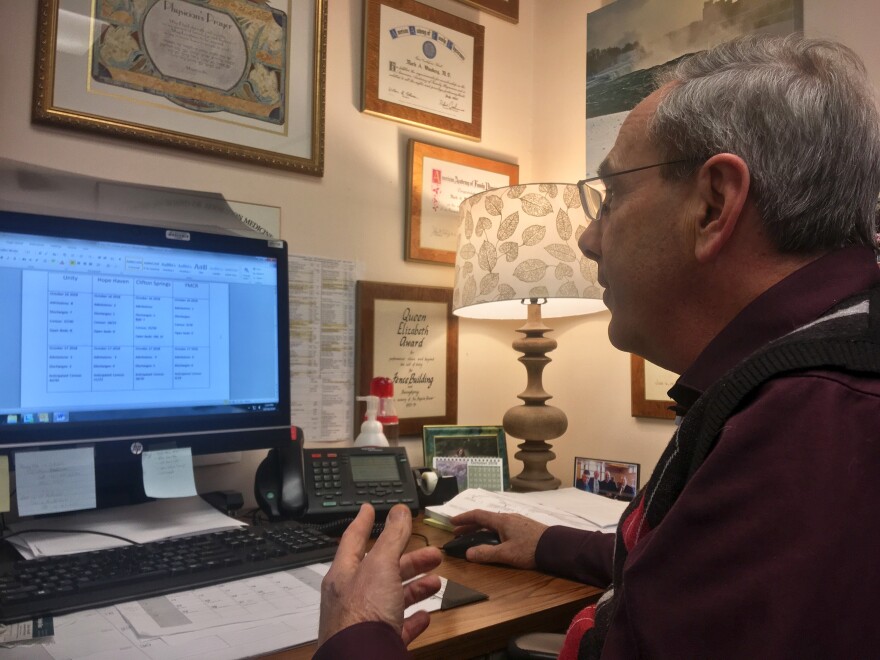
[168, 473]
[55, 481]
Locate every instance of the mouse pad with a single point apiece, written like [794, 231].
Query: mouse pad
[457, 594]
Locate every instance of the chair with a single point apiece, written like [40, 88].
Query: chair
[535, 646]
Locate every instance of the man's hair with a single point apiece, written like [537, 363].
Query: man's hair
[801, 114]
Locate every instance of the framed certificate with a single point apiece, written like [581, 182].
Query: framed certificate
[423, 67]
[410, 335]
[506, 9]
[648, 386]
[243, 80]
[440, 180]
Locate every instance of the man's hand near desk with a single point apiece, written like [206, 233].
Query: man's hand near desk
[366, 590]
[519, 537]
[576, 554]
[363, 596]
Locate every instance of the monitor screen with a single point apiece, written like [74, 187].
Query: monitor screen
[131, 338]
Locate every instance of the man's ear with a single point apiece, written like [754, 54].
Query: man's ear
[723, 187]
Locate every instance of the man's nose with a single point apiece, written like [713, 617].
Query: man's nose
[590, 241]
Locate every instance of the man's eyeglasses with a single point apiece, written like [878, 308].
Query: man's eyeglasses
[593, 198]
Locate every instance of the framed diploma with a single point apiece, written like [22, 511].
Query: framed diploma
[423, 67]
[506, 9]
[440, 179]
[408, 334]
[232, 78]
[649, 386]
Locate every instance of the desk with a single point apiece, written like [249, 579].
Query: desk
[519, 602]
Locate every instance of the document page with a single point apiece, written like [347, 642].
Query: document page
[181, 627]
[238, 619]
[568, 506]
[294, 592]
[145, 522]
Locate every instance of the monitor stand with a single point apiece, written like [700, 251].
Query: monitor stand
[119, 483]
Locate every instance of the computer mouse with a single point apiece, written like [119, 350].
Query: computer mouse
[458, 546]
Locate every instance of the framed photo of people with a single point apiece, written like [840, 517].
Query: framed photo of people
[241, 80]
[423, 66]
[617, 480]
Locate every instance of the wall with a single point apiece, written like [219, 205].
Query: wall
[359, 203]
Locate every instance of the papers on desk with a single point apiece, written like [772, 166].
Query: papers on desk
[239, 619]
[567, 506]
[236, 619]
[295, 592]
[150, 521]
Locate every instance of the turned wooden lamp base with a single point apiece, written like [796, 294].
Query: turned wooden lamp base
[534, 421]
[535, 476]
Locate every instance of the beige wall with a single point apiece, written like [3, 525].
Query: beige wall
[533, 114]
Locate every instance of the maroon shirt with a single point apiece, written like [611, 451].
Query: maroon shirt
[770, 550]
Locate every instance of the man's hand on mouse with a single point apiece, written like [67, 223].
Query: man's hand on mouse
[519, 537]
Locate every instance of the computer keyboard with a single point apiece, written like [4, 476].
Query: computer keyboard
[69, 583]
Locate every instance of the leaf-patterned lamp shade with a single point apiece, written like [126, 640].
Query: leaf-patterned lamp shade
[520, 243]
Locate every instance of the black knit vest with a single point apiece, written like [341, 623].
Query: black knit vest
[845, 339]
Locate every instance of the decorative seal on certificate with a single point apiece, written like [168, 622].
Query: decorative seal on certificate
[420, 78]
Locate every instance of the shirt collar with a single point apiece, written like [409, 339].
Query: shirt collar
[796, 300]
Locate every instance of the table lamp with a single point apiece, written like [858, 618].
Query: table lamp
[517, 258]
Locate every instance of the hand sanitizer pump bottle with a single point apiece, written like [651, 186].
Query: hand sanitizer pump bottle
[371, 430]
[384, 389]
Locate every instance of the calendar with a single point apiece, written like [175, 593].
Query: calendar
[486, 472]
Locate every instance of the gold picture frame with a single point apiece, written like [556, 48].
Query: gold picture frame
[410, 335]
[252, 90]
[642, 406]
[506, 9]
[439, 180]
[423, 67]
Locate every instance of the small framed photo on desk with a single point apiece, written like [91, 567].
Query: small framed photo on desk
[455, 445]
[617, 480]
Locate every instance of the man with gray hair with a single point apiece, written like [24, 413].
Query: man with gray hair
[734, 227]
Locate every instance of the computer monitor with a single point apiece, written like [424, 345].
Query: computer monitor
[130, 338]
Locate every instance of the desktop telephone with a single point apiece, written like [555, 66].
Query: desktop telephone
[323, 485]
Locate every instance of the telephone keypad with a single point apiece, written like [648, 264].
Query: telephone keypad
[327, 477]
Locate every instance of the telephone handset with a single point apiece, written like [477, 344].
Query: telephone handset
[278, 485]
[320, 485]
